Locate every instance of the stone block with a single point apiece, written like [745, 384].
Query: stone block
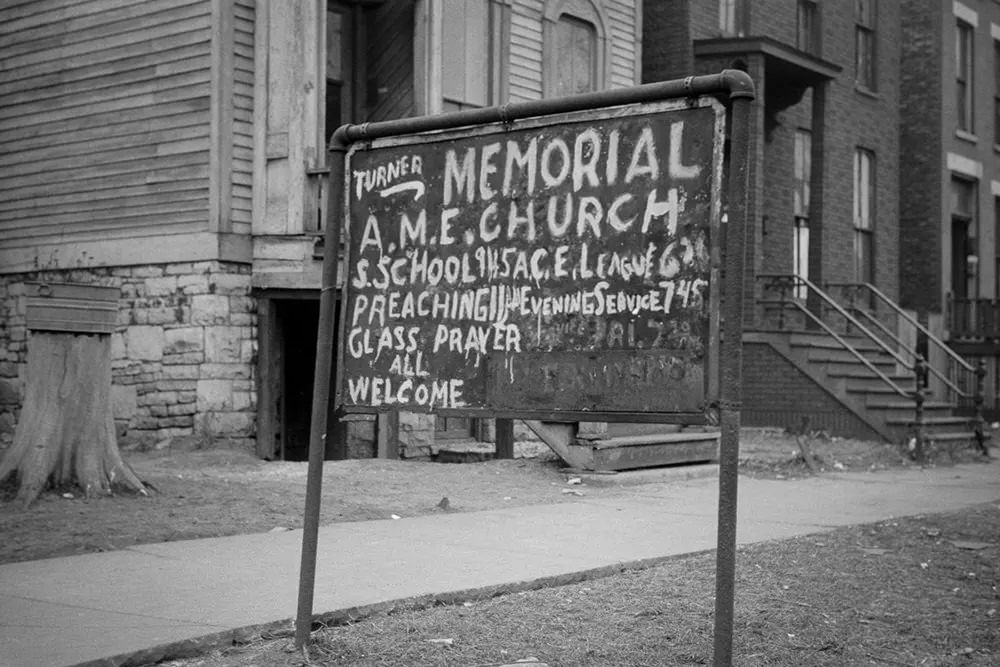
[166, 315]
[147, 271]
[243, 400]
[176, 385]
[193, 284]
[248, 351]
[229, 283]
[180, 372]
[209, 309]
[186, 358]
[242, 304]
[181, 409]
[8, 369]
[124, 401]
[241, 319]
[214, 395]
[144, 342]
[225, 424]
[158, 411]
[223, 344]
[183, 339]
[164, 286]
[178, 269]
[118, 349]
[227, 371]
[179, 420]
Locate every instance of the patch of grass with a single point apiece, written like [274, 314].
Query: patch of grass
[915, 591]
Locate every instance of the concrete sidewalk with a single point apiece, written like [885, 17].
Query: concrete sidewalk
[146, 602]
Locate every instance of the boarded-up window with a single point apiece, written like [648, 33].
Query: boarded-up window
[575, 56]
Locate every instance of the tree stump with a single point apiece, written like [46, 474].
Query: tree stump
[66, 431]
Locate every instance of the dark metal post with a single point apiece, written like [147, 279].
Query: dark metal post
[919, 396]
[979, 428]
[321, 388]
[730, 390]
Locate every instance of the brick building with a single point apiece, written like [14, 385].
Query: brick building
[951, 174]
[824, 198]
[175, 149]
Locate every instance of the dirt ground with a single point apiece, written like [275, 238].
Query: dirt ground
[215, 492]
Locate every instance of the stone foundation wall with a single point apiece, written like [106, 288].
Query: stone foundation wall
[184, 350]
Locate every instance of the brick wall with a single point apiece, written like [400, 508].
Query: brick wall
[775, 393]
[921, 142]
[183, 351]
[666, 52]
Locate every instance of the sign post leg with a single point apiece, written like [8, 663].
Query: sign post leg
[321, 394]
[731, 370]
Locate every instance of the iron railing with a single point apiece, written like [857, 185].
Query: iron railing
[866, 301]
[973, 319]
[874, 317]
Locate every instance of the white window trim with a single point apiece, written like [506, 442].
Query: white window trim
[965, 166]
[995, 31]
[965, 14]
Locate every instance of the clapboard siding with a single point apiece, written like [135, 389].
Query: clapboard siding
[104, 119]
[241, 193]
[622, 29]
[526, 51]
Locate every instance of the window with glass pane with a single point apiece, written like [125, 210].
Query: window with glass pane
[864, 44]
[800, 203]
[864, 216]
[465, 68]
[337, 102]
[727, 17]
[996, 94]
[964, 257]
[575, 55]
[963, 75]
[807, 34]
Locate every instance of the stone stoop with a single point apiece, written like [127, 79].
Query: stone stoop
[859, 389]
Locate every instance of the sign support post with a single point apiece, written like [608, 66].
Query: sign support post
[731, 370]
[333, 210]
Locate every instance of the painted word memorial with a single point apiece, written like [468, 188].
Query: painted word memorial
[564, 265]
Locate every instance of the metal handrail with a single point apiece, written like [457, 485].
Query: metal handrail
[832, 304]
[931, 338]
[797, 304]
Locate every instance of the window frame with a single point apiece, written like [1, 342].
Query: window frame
[965, 35]
[865, 211]
[865, 47]
[801, 179]
[808, 33]
[996, 93]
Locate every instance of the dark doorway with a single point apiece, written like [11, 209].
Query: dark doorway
[287, 368]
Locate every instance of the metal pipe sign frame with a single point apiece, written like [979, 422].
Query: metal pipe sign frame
[557, 259]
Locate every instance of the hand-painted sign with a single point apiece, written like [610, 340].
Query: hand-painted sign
[563, 263]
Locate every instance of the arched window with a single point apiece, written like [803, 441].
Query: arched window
[574, 48]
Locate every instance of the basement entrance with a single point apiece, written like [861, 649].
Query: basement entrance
[288, 323]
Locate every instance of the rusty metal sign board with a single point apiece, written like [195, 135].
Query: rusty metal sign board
[565, 264]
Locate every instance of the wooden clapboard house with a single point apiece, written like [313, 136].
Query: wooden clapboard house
[175, 149]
